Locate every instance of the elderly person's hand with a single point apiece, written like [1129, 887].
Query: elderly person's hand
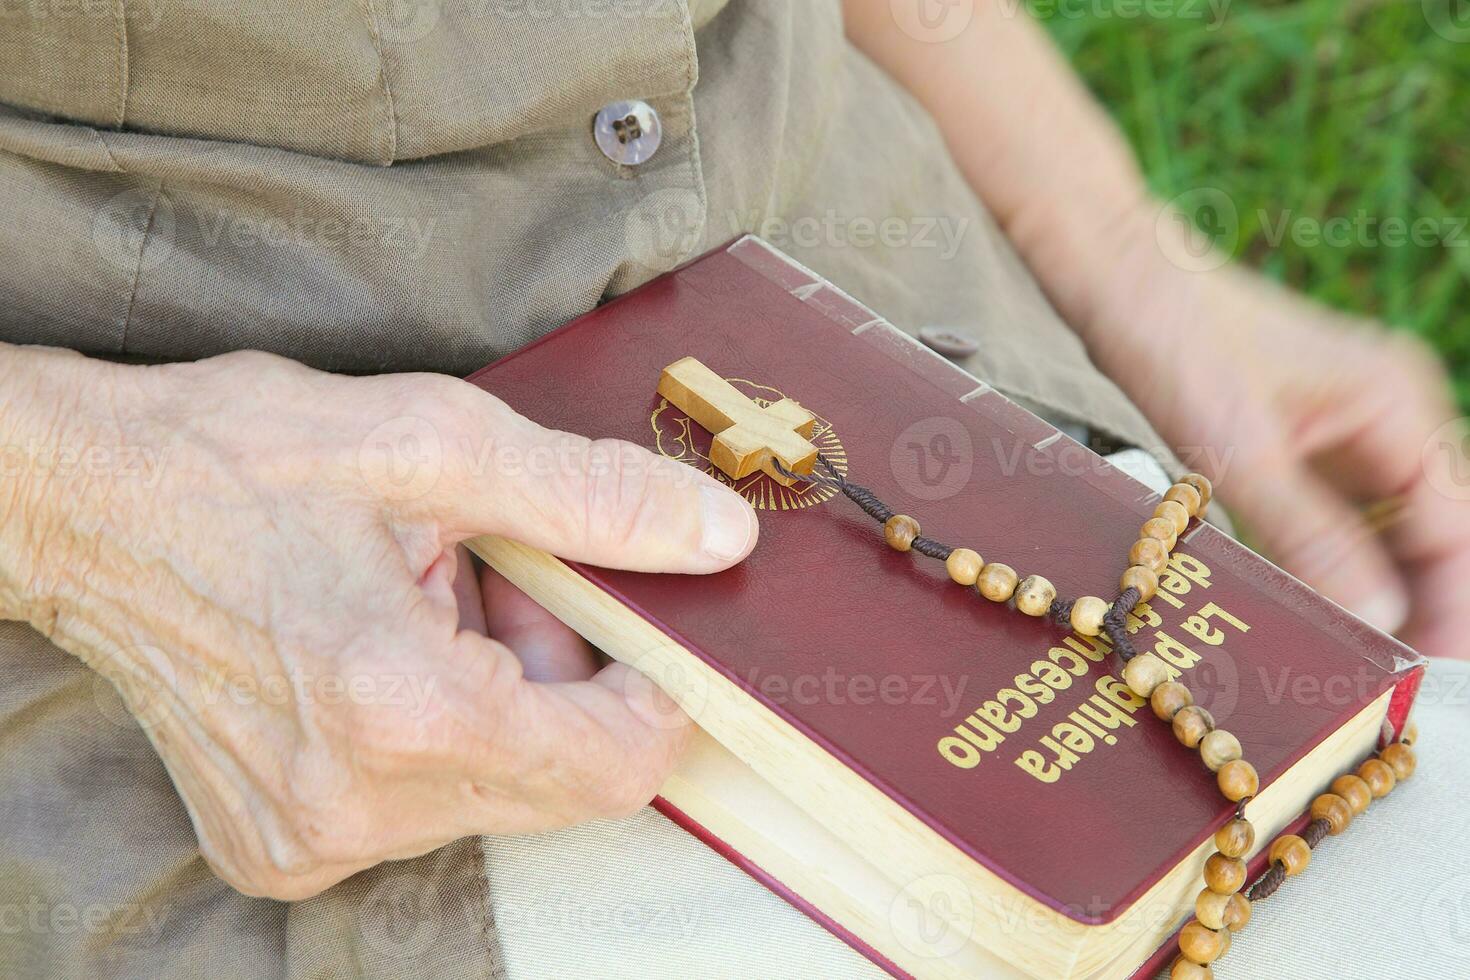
[1332, 440]
[1304, 417]
[273, 580]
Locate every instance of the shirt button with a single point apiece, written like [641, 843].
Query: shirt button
[628, 133]
[948, 341]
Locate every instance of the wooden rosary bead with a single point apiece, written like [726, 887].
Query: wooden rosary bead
[1400, 759]
[1354, 790]
[1238, 912]
[1185, 970]
[1217, 911]
[1192, 724]
[964, 566]
[1411, 733]
[1292, 853]
[1174, 511]
[1087, 615]
[1161, 528]
[1202, 486]
[1224, 874]
[1142, 578]
[1379, 777]
[1168, 699]
[1335, 810]
[1035, 595]
[1217, 748]
[997, 582]
[1238, 780]
[1144, 673]
[1200, 944]
[1236, 838]
[1150, 553]
[1187, 495]
[1210, 906]
[899, 531]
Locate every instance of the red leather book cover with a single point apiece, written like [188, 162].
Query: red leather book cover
[997, 730]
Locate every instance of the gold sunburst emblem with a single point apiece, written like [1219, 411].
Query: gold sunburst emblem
[678, 437]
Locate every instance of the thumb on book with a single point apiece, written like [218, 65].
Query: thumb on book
[606, 502]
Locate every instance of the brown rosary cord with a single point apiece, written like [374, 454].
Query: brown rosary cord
[1223, 907]
[1267, 884]
[1115, 623]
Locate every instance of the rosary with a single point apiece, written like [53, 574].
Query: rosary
[773, 439]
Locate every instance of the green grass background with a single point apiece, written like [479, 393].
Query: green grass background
[1305, 110]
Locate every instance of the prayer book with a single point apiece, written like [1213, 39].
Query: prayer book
[956, 789]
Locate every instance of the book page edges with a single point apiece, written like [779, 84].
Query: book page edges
[865, 817]
[736, 811]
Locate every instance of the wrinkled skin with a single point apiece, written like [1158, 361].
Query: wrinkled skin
[294, 623]
[1331, 440]
[1303, 416]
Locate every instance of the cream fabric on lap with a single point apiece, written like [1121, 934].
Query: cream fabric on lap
[642, 898]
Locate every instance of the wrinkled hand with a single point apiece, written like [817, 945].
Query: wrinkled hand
[1327, 436]
[282, 602]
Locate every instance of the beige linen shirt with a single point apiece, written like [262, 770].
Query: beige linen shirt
[382, 185]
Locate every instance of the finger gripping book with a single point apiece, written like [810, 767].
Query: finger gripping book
[955, 789]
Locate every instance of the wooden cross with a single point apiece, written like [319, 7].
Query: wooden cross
[747, 436]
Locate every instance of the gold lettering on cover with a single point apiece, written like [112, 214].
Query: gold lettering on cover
[1182, 574]
[1144, 616]
[1100, 719]
[1064, 758]
[1174, 583]
[1035, 688]
[1110, 708]
[1033, 763]
[1191, 568]
[979, 734]
[1168, 597]
[995, 713]
[1079, 717]
[1095, 649]
[1199, 626]
[958, 752]
[1119, 693]
[1173, 653]
[1073, 737]
[1051, 675]
[1213, 609]
[1106, 713]
[1062, 657]
[1008, 695]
